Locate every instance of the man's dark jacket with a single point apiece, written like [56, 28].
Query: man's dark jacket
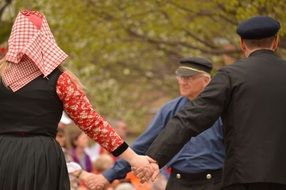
[250, 95]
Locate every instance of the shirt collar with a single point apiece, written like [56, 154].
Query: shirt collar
[261, 51]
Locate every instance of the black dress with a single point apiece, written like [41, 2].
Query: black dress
[30, 157]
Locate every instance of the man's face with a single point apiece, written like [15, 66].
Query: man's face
[82, 140]
[192, 86]
[60, 138]
[121, 129]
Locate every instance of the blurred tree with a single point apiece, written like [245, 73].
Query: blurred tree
[126, 51]
[5, 25]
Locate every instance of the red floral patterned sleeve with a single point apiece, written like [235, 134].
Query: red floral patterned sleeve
[79, 109]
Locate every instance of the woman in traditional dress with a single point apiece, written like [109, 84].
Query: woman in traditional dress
[34, 90]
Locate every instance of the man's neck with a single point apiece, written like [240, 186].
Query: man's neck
[190, 98]
[248, 52]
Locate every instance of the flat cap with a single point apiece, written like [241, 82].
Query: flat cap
[193, 65]
[258, 27]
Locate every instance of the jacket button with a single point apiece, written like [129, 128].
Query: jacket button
[209, 176]
[178, 176]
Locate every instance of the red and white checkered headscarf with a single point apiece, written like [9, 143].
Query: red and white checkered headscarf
[32, 50]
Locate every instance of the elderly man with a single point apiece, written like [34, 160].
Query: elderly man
[250, 97]
[198, 165]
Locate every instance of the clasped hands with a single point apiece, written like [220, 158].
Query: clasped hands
[145, 168]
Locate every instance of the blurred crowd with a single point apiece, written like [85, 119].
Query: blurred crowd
[78, 148]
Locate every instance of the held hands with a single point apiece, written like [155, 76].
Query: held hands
[145, 168]
[95, 181]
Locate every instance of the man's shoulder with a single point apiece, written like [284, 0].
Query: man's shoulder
[237, 65]
[175, 101]
[172, 104]
[251, 62]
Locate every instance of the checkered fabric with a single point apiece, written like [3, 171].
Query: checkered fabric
[32, 50]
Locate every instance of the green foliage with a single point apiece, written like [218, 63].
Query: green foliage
[125, 51]
[5, 31]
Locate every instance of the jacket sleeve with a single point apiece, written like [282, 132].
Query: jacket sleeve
[193, 119]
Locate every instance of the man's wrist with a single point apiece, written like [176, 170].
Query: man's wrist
[78, 173]
[109, 175]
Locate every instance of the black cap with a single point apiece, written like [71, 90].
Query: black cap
[258, 27]
[193, 65]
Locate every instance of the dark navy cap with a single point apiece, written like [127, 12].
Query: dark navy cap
[193, 65]
[258, 27]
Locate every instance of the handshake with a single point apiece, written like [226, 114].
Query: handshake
[144, 167]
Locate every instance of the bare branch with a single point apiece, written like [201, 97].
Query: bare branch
[226, 18]
[206, 43]
[184, 44]
[7, 3]
[201, 13]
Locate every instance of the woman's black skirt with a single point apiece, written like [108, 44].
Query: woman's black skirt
[32, 163]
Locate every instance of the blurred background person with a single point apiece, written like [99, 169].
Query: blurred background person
[125, 186]
[102, 163]
[79, 141]
[120, 127]
[95, 150]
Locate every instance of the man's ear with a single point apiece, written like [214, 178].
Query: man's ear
[207, 80]
[275, 43]
[242, 44]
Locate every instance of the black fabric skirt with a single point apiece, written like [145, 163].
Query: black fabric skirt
[32, 163]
